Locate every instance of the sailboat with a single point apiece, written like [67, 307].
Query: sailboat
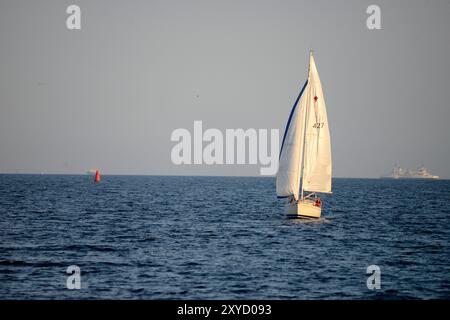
[305, 154]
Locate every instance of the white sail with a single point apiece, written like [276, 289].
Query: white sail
[317, 146]
[288, 176]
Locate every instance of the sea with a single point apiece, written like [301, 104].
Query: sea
[173, 237]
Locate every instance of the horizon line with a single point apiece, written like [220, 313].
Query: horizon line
[176, 175]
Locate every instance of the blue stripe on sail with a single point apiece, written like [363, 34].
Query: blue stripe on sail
[291, 115]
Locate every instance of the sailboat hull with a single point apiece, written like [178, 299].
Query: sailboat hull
[303, 209]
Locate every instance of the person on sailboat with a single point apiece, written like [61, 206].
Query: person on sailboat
[318, 203]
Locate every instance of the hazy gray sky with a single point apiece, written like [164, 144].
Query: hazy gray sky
[110, 95]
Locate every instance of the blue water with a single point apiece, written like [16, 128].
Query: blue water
[143, 237]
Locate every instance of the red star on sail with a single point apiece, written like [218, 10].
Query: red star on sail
[316, 98]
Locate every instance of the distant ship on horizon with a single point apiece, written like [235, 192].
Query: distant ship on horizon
[419, 173]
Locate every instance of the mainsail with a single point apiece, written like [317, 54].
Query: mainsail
[317, 158]
[306, 149]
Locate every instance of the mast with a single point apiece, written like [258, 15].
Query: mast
[304, 126]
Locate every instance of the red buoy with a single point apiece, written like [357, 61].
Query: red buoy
[97, 176]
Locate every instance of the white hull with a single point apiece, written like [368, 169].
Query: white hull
[303, 209]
